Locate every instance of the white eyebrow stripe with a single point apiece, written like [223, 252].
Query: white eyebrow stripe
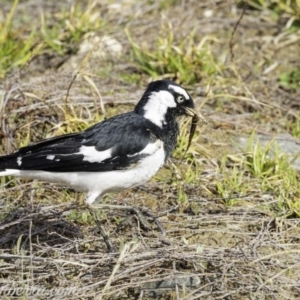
[179, 90]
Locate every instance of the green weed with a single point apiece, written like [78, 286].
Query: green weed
[82, 217]
[265, 161]
[18, 46]
[265, 169]
[290, 79]
[233, 187]
[164, 4]
[131, 78]
[70, 26]
[291, 7]
[182, 196]
[15, 45]
[294, 126]
[186, 61]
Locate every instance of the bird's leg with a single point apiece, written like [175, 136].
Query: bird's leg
[106, 239]
[144, 223]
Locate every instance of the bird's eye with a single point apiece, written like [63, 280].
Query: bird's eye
[180, 99]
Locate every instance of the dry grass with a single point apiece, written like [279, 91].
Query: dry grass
[220, 254]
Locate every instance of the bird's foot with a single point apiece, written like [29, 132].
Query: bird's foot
[108, 243]
[142, 220]
[140, 217]
[134, 210]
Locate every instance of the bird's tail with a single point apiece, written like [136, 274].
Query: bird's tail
[9, 172]
[8, 165]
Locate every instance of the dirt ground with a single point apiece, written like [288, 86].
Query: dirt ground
[208, 249]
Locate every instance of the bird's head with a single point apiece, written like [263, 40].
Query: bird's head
[163, 100]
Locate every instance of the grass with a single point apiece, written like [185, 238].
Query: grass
[263, 168]
[294, 126]
[187, 61]
[291, 7]
[70, 26]
[15, 46]
[290, 79]
[18, 45]
[233, 187]
[82, 217]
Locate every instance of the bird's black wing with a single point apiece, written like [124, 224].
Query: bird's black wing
[116, 143]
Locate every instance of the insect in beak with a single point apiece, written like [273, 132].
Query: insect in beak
[195, 118]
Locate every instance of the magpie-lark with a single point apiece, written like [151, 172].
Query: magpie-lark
[118, 153]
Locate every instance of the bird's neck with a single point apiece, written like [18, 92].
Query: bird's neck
[168, 133]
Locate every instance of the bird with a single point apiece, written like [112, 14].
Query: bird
[121, 152]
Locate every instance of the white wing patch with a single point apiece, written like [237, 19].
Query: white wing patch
[91, 154]
[179, 90]
[19, 161]
[157, 106]
[52, 157]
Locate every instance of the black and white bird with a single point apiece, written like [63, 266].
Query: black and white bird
[118, 153]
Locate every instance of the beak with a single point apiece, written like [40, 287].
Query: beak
[196, 116]
[190, 111]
